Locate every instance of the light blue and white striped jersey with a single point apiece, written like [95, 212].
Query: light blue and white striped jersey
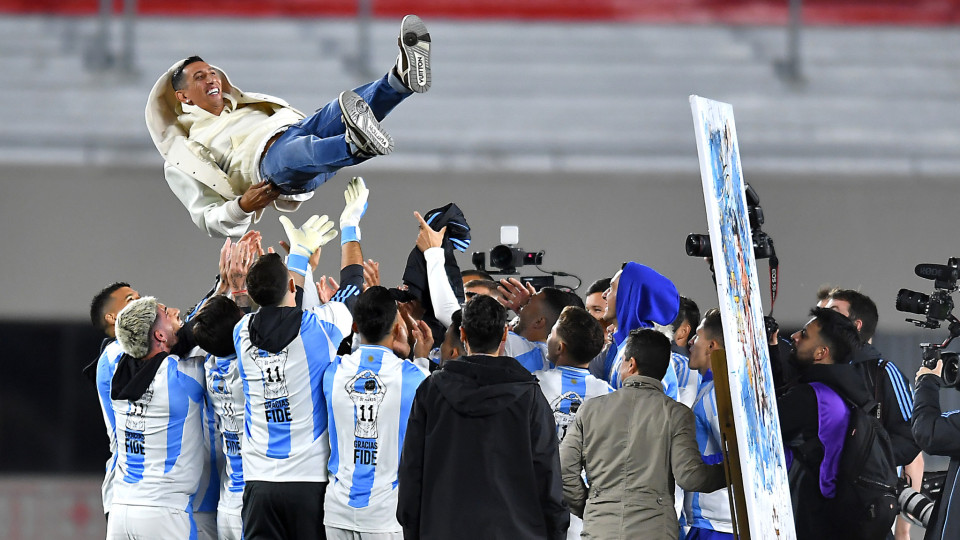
[106, 366]
[207, 497]
[688, 380]
[160, 450]
[369, 394]
[531, 354]
[225, 393]
[669, 379]
[284, 416]
[566, 389]
[708, 510]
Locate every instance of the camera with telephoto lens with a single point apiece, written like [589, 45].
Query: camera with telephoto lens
[698, 245]
[937, 306]
[917, 506]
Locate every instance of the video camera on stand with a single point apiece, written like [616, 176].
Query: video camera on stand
[936, 308]
[507, 257]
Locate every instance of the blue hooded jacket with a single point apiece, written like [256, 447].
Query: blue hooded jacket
[644, 297]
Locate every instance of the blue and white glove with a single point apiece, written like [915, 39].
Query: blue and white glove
[356, 196]
[317, 231]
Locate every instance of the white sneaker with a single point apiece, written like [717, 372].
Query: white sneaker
[413, 62]
[363, 130]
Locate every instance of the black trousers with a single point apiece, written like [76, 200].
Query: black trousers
[283, 510]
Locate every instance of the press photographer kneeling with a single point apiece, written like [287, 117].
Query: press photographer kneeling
[939, 434]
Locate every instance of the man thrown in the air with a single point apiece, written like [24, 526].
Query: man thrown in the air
[229, 154]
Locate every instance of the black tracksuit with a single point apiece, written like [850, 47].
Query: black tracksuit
[894, 401]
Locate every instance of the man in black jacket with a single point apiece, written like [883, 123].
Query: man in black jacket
[488, 436]
[938, 434]
[813, 418]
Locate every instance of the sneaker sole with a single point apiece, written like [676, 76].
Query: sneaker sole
[415, 44]
[361, 122]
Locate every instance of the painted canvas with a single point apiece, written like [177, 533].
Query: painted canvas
[767, 494]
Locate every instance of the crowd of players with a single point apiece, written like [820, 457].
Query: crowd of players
[281, 407]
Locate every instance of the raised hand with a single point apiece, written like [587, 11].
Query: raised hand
[326, 288]
[514, 294]
[371, 273]
[428, 238]
[306, 240]
[356, 196]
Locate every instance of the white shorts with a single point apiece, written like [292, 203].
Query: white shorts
[229, 526]
[147, 523]
[334, 533]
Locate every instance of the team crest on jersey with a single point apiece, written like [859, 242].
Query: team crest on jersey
[273, 367]
[563, 417]
[137, 411]
[366, 390]
[230, 417]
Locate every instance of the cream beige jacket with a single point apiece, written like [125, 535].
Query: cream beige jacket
[209, 194]
[632, 444]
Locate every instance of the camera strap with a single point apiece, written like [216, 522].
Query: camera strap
[774, 279]
[881, 366]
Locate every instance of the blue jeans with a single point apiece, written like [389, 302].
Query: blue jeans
[311, 151]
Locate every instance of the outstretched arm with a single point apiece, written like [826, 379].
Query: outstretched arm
[442, 297]
[351, 257]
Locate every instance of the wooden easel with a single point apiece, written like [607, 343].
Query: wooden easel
[728, 441]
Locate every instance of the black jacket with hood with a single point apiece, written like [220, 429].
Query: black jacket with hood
[488, 437]
[800, 426]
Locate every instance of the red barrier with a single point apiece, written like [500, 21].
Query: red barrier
[747, 12]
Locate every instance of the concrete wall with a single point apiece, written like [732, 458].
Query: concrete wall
[69, 231]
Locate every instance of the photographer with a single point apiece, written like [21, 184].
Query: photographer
[938, 434]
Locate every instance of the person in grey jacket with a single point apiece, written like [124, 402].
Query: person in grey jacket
[633, 444]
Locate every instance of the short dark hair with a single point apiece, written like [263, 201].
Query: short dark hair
[555, 300]
[98, 306]
[861, 307]
[713, 323]
[581, 332]
[838, 333]
[375, 312]
[213, 325]
[267, 280]
[489, 284]
[651, 351]
[598, 286]
[484, 320]
[176, 80]
[478, 274]
[689, 313]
